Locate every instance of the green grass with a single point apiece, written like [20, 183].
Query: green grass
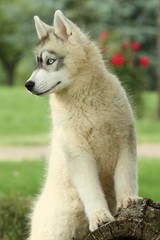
[25, 119]
[25, 178]
[149, 107]
[21, 178]
[148, 127]
[149, 178]
[148, 130]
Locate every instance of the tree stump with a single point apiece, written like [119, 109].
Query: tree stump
[140, 221]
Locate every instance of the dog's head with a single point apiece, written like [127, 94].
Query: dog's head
[58, 55]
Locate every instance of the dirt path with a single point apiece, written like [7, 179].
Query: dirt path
[146, 150]
[18, 153]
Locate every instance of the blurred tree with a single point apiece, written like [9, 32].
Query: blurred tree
[14, 32]
[136, 20]
[158, 53]
[84, 13]
[17, 31]
[7, 60]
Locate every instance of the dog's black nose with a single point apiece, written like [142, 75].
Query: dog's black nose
[29, 85]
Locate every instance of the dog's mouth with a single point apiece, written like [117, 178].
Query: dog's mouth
[44, 93]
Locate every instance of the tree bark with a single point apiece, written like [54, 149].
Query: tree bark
[10, 71]
[9, 66]
[138, 222]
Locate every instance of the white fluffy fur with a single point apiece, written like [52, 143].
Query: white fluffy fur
[92, 166]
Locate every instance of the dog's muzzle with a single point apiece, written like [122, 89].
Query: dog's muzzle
[30, 85]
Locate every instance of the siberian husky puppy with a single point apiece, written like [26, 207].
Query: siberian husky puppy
[92, 166]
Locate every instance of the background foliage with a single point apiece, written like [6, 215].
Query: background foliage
[136, 21]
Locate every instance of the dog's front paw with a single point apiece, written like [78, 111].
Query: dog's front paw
[126, 202]
[100, 217]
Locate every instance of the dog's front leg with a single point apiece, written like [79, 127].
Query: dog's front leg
[126, 173]
[84, 174]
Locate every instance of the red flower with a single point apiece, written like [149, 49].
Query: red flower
[136, 46]
[104, 35]
[117, 60]
[144, 61]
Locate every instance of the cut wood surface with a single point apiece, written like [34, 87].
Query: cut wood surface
[140, 221]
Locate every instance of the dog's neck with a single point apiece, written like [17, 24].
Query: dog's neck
[90, 81]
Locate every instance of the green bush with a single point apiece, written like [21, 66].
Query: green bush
[130, 63]
[13, 218]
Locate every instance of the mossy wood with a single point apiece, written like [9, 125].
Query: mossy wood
[138, 222]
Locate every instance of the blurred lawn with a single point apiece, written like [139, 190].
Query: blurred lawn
[149, 178]
[148, 127]
[25, 119]
[22, 178]
[26, 178]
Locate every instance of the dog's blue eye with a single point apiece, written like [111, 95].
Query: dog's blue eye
[50, 61]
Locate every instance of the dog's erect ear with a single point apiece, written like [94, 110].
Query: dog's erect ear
[41, 27]
[62, 25]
